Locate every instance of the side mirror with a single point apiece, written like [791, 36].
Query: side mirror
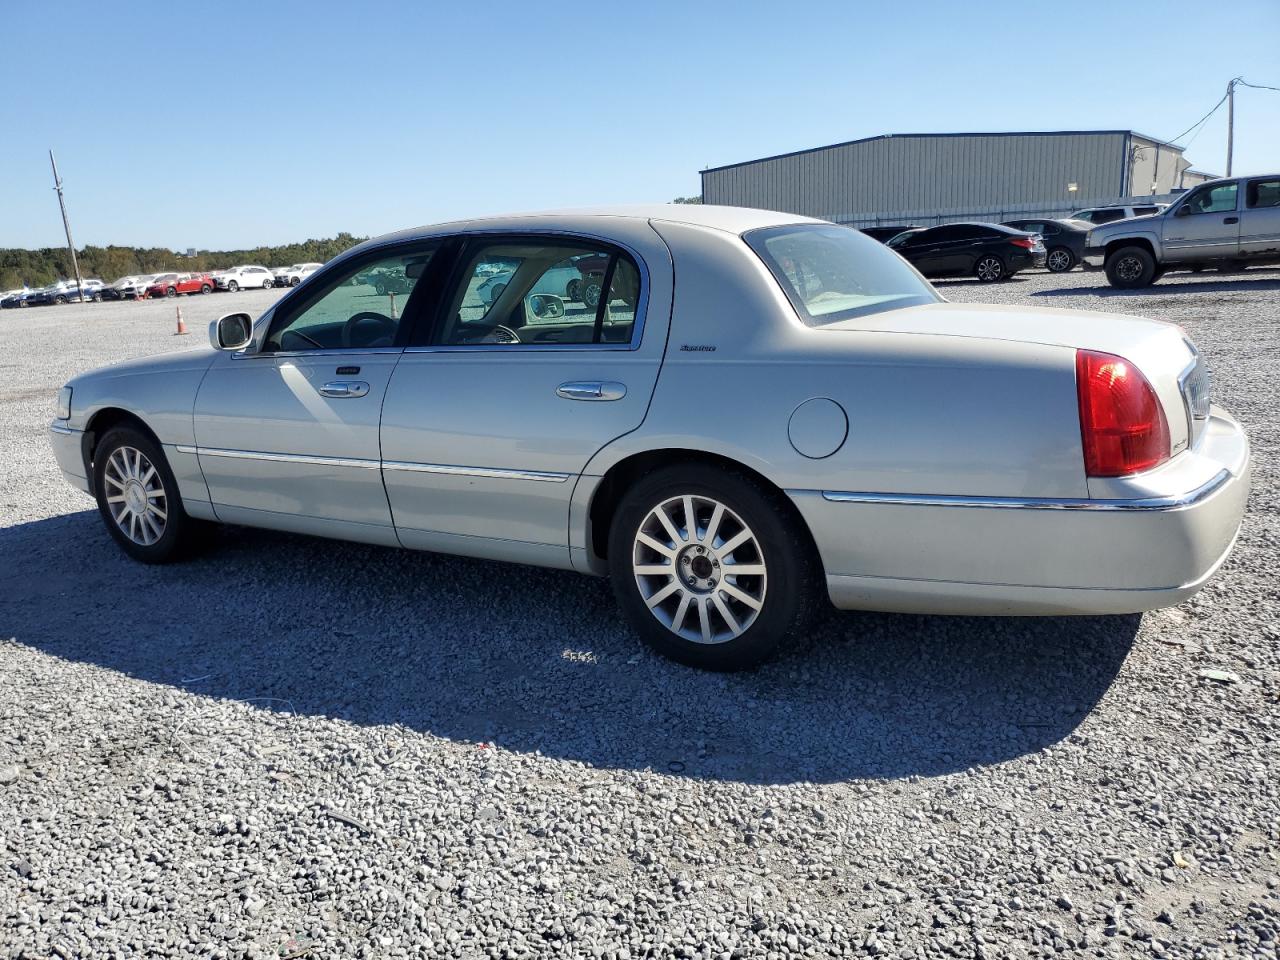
[231, 332]
[546, 306]
[1183, 211]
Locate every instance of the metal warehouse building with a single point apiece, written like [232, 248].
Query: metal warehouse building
[933, 177]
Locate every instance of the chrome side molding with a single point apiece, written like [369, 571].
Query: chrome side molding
[1032, 503]
[491, 473]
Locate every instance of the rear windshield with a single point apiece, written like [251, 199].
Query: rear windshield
[832, 273]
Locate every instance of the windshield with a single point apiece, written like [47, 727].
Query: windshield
[832, 273]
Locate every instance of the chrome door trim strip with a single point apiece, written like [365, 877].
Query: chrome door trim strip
[1034, 503]
[280, 457]
[404, 466]
[489, 473]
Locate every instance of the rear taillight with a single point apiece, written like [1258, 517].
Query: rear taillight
[1122, 425]
[1025, 242]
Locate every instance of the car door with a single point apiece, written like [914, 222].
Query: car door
[1205, 226]
[1260, 218]
[497, 407]
[958, 249]
[924, 250]
[287, 434]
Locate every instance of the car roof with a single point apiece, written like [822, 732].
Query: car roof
[736, 220]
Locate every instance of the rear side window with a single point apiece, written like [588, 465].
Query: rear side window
[1106, 216]
[1145, 211]
[1263, 193]
[832, 273]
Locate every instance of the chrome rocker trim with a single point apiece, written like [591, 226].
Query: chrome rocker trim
[1034, 503]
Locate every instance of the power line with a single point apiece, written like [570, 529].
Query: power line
[1200, 121]
[1256, 86]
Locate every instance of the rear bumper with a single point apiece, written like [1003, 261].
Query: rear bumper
[1150, 548]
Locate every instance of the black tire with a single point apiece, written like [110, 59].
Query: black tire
[232, 286]
[792, 595]
[1059, 260]
[181, 535]
[497, 291]
[171, 292]
[573, 290]
[990, 269]
[294, 281]
[59, 300]
[591, 292]
[1131, 267]
[205, 288]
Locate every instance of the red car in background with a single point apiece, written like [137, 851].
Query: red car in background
[172, 284]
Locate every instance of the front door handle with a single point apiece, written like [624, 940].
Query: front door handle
[592, 390]
[1230, 219]
[344, 388]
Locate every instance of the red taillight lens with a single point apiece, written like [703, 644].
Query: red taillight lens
[1122, 424]
[1025, 242]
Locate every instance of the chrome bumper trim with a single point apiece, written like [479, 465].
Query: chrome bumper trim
[63, 429]
[486, 472]
[1034, 503]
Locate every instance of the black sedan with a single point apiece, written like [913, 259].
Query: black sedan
[1063, 240]
[987, 251]
[885, 234]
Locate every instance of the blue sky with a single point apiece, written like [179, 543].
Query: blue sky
[237, 124]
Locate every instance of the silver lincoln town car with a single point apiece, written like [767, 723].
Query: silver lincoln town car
[728, 412]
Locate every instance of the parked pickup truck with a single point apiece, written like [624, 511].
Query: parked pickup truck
[1230, 224]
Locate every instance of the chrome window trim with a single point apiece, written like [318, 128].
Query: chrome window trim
[1035, 503]
[320, 352]
[404, 466]
[490, 473]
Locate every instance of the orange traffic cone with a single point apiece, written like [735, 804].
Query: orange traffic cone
[182, 327]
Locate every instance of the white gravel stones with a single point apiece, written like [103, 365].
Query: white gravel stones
[264, 753]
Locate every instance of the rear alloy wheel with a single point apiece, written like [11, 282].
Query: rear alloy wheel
[573, 290]
[712, 570]
[989, 269]
[1059, 260]
[591, 293]
[138, 498]
[1131, 267]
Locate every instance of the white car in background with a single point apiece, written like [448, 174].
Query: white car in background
[294, 275]
[245, 278]
[1097, 215]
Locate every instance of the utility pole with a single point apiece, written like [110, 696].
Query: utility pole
[1231, 120]
[66, 224]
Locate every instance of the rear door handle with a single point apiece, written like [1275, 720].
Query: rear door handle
[1230, 219]
[592, 390]
[344, 388]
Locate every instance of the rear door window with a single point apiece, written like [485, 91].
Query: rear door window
[1263, 193]
[1107, 216]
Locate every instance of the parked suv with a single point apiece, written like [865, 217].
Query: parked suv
[246, 278]
[1111, 214]
[1229, 224]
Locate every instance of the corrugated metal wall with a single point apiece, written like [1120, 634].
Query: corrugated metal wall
[939, 177]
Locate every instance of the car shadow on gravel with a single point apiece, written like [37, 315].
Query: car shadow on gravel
[539, 660]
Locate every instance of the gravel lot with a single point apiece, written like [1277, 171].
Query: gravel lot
[287, 749]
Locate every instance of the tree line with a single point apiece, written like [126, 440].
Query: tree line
[38, 268]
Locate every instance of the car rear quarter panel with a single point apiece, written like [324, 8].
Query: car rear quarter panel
[927, 414]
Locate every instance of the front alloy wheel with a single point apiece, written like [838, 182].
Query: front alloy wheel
[135, 496]
[989, 269]
[713, 568]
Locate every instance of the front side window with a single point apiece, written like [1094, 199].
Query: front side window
[356, 308]
[1220, 198]
[536, 291]
[834, 273]
[1263, 193]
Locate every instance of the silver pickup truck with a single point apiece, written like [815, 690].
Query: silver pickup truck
[1229, 224]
